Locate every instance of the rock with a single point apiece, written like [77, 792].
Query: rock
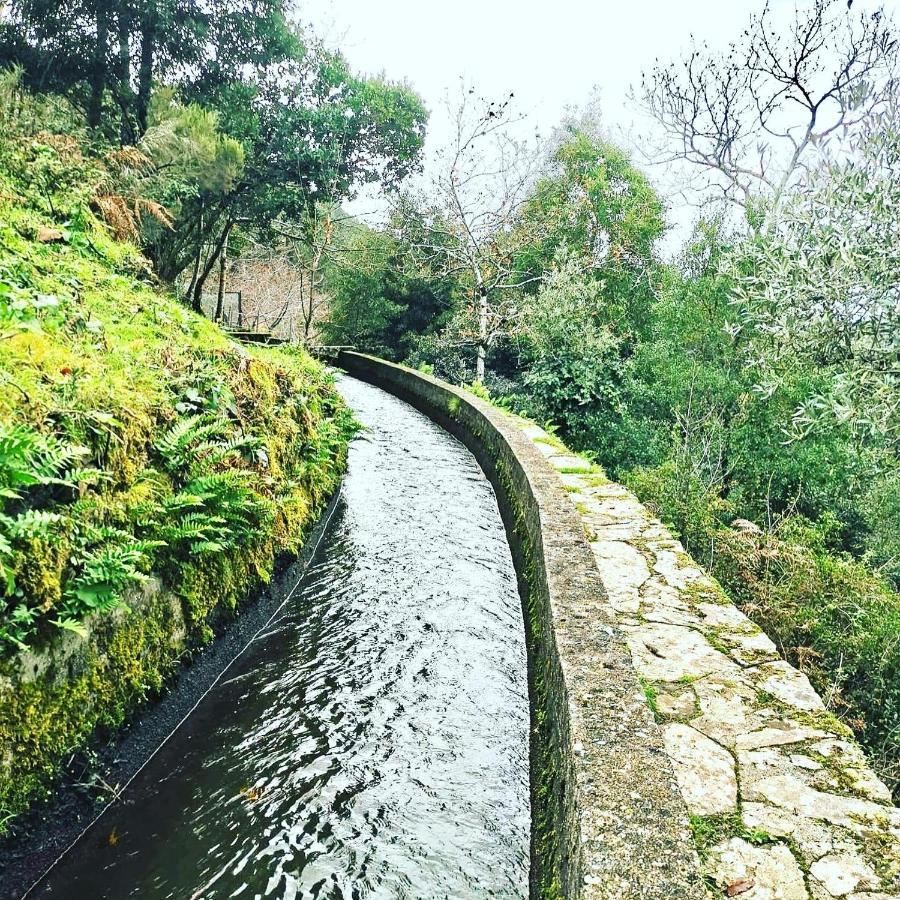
[623, 570]
[677, 706]
[777, 733]
[668, 615]
[722, 615]
[670, 652]
[787, 791]
[790, 686]
[869, 784]
[804, 762]
[773, 871]
[668, 564]
[841, 751]
[813, 839]
[842, 873]
[752, 640]
[533, 431]
[727, 710]
[705, 772]
[851, 762]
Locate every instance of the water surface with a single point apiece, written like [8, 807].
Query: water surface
[373, 742]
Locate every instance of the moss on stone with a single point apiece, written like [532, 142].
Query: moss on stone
[45, 720]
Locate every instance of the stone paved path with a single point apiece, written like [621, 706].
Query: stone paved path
[783, 803]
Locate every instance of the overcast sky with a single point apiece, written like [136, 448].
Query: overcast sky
[554, 54]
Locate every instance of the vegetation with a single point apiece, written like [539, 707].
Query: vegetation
[748, 389]
[135, 438]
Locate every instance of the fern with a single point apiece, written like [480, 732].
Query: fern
[29, 459]
[33, 523]
[104, 574]
[178, 446]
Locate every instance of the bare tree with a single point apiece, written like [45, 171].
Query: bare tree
[749, 118]
[483, 178]
[270, 285]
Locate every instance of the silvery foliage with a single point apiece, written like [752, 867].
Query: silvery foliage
[821, 289]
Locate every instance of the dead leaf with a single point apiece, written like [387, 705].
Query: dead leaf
[49, 235]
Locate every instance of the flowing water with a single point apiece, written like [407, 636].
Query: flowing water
[373, 741]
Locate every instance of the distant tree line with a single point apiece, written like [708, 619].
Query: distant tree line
[754, 379]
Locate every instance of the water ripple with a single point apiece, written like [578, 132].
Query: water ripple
[373, 743]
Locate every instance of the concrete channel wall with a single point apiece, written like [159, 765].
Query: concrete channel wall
[608, 818]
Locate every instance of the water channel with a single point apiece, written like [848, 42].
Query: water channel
[373, 741]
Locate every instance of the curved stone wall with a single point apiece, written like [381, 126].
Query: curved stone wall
[641, 667]
[608, 818]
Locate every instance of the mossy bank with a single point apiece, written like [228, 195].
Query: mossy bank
[152, 472]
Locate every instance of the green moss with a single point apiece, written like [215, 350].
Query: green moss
[596, 478]
[709, 831]
[46, 720]
[650, 693]
[551, 441]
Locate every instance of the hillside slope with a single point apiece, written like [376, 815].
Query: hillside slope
[135, 438]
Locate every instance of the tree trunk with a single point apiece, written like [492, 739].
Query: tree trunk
[482, 332]
[149, 27]
[197, 257]
[308, 312]
[220, 298]
[98, 70]
[197, 298]
[126, 132]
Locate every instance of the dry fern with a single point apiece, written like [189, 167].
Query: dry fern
[128, 159]
[124, 215]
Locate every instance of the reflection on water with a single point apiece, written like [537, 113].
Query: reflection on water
[374, 741]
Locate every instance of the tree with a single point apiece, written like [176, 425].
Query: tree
[821, 290]
[749, 119]
[482, 180]
[593, 204]
[313, 133]
[378, 301]
[94, 50]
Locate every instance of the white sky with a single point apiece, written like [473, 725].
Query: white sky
[552, 54]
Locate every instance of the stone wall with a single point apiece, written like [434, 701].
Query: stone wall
[608, 819]
[783, 803]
